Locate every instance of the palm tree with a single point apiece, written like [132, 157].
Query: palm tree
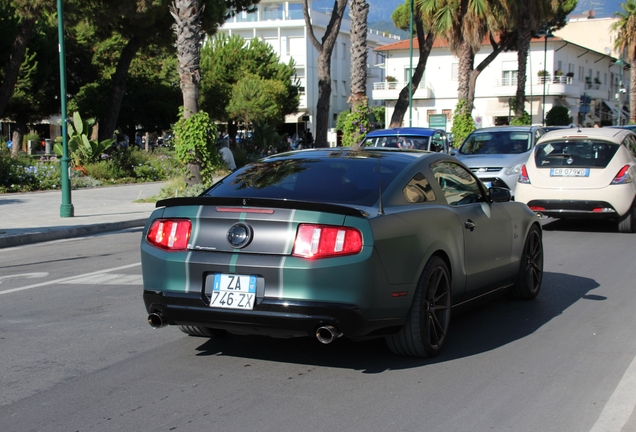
[424, 45]
[324, 49]
[529, 17]
[465, 24]
[626, 44]
[358, 11]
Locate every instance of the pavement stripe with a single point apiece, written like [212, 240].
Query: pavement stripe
[620, 405]
[108, 279]
[68, 279]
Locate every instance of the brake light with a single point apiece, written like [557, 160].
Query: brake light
[324, 241]
[523, 177]
[170, 234]
[537, 208]
[623, 176]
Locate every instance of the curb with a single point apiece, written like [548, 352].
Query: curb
[70, 232]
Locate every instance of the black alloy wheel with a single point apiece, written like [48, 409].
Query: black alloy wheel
[530, 274]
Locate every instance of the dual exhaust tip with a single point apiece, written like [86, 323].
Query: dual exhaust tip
[325, 334]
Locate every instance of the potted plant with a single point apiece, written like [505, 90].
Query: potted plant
[543, 75]
[597, 81]
[588, 82]
[392, 81]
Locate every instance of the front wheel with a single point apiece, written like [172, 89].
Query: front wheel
[425, 330]
[530, 274]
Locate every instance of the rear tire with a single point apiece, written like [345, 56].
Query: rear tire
[530, 274]
[626, 223]
[425, 330]
[202, 331]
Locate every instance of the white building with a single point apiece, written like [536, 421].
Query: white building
[572, 72]
[282, 25]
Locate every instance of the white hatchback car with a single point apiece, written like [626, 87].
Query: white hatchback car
[582, 173]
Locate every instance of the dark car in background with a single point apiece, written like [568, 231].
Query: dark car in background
[360, 243]
[411, 138]
[496, 154]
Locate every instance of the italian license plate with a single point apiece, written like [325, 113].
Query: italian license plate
[233, 291]
[569, 172]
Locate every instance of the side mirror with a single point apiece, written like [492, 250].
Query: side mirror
[453, 152]
[499, 194]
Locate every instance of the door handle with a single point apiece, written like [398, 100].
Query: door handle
[469, 225]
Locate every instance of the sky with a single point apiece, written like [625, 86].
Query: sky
[602, 8]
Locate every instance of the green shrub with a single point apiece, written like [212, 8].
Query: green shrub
[558, 116]
[463, 123]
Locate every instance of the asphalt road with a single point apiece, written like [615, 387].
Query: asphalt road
[76, 354]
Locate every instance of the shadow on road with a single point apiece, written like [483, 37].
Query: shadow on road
[482, 329]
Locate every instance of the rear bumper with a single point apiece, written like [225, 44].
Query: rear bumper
[273, 317]
[574, 209]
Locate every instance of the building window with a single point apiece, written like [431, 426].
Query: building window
[246, 17]
[449, 114]
[581, 74]
[295, 11]
[272, 11]
[334, 87]
[509, 78]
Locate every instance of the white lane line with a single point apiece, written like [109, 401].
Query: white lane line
[619, 407]
[68, 279]
[108, 279]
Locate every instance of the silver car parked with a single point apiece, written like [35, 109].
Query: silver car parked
[496, 154]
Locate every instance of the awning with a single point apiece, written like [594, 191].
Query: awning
[609, 109]
[494, 108]
[295, 117]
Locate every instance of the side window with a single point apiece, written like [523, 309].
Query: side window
[630, 143]
[418, 190]
[457, 183]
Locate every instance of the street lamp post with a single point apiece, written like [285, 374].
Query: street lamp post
[411, 64]
[66, 209]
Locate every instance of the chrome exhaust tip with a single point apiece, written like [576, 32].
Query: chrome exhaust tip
[327, 334]
[156, 320]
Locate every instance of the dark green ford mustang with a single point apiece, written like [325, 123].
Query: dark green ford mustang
[338, 242]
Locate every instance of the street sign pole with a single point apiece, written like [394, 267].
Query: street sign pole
[66, 209]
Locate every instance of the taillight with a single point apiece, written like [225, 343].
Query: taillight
[170, 234]
[323, 241]
[623, 176]
[537, 208]
[523, 177]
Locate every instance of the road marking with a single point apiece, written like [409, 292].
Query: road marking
[619, 407]
[25, 276]
[68, 279]
[108, 279]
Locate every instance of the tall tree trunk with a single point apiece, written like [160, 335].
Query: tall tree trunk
[17, 136]
[187, 27]
[465, 67]
[497, 48]
[425, 44]
[12, 69]
[359, 10]
[118, 88]
[324, 66]
[524, 35]
[632, 94]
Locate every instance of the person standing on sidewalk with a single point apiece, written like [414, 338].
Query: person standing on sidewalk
[227, 155]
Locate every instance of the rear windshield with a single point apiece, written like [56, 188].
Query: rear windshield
[408, 142]
[579, 153]
[497, 142]
[347, 178]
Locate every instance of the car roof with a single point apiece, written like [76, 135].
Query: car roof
[405, 131]
[506, 128]
[610, 134]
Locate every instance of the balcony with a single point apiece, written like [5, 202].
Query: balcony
[554, 86]
[391, 90]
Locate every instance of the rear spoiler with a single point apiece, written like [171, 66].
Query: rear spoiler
[262, 202]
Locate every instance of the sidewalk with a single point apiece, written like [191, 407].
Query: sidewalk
[35, 217]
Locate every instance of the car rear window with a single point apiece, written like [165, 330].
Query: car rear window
[408, 142]
[497, 142]
[574, 153]
[352, 178]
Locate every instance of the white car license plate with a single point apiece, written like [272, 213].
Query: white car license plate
[232, 291]
[569, 172]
